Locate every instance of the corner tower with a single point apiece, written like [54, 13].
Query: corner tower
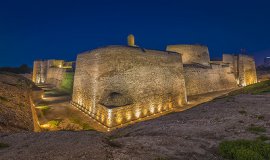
[131, 40]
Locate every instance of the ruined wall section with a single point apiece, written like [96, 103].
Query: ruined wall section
[192, 54]
[200, 80]
[116, 84]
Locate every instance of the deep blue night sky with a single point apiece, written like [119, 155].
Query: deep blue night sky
[57, 29]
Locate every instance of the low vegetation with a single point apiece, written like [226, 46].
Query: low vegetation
[263, 138]
[257, 88]
[242, 112]
[260, 117]
[111, 142]
[18, 70]
[85, 126]
[53, 123]
[67, 83]
[256, 129]
[244, 150]
[3, 99]
[3, 145]
[43, 109]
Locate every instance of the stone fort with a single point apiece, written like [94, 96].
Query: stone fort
[119, 85]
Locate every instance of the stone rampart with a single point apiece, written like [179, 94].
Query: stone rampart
[203, 79]
[129, 82]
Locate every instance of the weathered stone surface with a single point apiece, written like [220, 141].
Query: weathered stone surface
[202, 79]
[16, 96]
[143, 82]
[192, 53]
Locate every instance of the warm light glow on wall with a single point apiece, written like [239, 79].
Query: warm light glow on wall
[145, 111]
[109, 120]
[119, 118]
[152, 109]
[159, 107]
[128, 115]
[138, 113]
[80, 101]
[102, 117]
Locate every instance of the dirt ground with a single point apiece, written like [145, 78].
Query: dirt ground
[192, 134]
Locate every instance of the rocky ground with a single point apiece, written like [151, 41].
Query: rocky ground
[15, 105]
[191, 134]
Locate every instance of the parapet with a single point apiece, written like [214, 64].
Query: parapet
[192, 53]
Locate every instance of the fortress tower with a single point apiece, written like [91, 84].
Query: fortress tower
[131, 40]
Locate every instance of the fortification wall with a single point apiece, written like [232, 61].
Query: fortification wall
[39, 72]
[243, 67]
[127, 82]
[192, 53]
[201, 80]
[247, 70]
[55, 76]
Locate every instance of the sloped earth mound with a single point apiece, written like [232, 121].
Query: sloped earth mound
[15, 106]
[191, 134]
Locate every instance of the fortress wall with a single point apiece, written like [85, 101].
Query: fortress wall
[201, 80]
[55, 76]
[243, 67]
[129, 82]
[232, 60]
[192, 53]
[247, 70]
[39, 72]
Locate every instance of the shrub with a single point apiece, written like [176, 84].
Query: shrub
[260, 117]
[113, 143]
[256, 129]
[242, 112]
[3, 99]
[53, 123]
[3, 145]
[263, 138]
[43, 109]
[244, 150]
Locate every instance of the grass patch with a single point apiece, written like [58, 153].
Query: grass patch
[53, 123]
[3, 145]
[43, 109]
[256, 129]
[263, 138]
[244, 150]
[85, 126]
[240, 121]
[111, 142]
[260, 117]
[257, 88]
[3, 99]
[242, 112]
[56, 93]
[67, 83]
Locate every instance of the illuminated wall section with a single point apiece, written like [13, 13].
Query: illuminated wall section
[243, 67]
[117, 84]
[247, 70]
[39, 71]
